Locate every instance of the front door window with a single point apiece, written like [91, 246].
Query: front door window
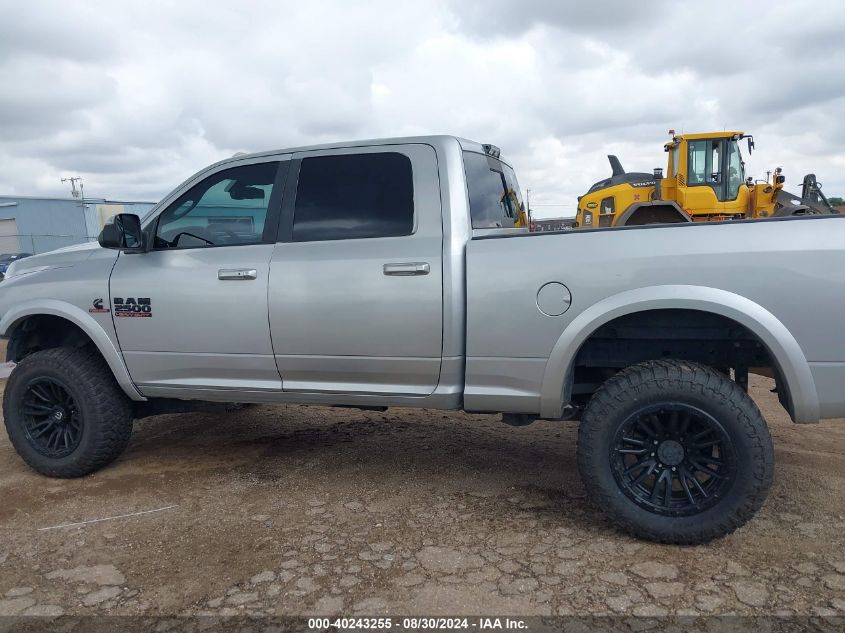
[228, 208]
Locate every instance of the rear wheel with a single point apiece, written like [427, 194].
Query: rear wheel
[675, 452]
[64, 412]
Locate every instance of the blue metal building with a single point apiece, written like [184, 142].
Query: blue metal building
[37, 225]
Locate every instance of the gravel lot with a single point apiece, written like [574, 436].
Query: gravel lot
[294, 510]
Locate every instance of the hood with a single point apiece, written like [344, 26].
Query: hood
[633, 178]
[67, 256]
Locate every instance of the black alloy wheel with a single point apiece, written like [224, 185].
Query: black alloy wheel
[673, 459]
[52, 422]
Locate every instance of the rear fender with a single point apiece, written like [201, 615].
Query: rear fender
[783, 347]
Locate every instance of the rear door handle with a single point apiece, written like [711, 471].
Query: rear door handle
[237, 274]
[407, 268]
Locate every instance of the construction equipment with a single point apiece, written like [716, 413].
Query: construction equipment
[704, 181]
[511, 198]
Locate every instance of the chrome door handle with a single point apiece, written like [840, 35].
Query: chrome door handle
[237, 274]
[407, 269]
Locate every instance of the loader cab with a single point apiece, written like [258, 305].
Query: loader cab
[710, 174]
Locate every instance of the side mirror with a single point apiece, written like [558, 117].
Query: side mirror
[123, 232]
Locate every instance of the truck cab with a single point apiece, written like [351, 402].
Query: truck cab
[327, 274]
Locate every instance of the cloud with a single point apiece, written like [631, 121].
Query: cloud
[136, 96]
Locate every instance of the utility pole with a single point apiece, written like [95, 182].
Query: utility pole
[80, 193]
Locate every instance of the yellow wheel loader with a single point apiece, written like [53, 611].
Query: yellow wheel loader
[704, 181]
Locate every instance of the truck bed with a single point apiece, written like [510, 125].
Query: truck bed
[784, 279]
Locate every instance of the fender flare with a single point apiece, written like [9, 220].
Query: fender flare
[783, 347]
[84, 322]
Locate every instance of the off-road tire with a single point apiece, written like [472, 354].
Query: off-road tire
[105, 411]
[691, 384]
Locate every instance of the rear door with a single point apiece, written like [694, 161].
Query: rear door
[356, 283]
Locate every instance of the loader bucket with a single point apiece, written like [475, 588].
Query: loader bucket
[811, 202]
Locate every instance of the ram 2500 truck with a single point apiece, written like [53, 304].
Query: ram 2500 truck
[388, 273]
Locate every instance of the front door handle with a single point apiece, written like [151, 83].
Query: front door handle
[237, 274]
[407, 269]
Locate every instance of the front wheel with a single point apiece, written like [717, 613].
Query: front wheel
[65, 414]
[675, 452]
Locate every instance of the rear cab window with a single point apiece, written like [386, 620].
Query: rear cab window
[495, 200]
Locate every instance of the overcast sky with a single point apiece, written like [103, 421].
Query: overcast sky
[136, 96]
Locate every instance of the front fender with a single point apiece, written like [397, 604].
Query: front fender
[772, 333]
[86, 323]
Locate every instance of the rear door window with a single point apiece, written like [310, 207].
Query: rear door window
[495, 200]
[354, 196]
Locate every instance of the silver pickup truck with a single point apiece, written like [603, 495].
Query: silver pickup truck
[391, 273]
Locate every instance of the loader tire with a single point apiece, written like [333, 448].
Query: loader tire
[64, 412]
[675, 452]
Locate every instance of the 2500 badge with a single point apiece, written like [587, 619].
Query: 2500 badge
[131, 307]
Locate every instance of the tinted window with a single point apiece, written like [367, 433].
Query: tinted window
[354, 196]
[494, 197]
[225, 209]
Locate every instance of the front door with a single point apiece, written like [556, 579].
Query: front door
[356, 284]
[191, 314]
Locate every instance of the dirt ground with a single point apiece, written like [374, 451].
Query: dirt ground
[294, 510]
